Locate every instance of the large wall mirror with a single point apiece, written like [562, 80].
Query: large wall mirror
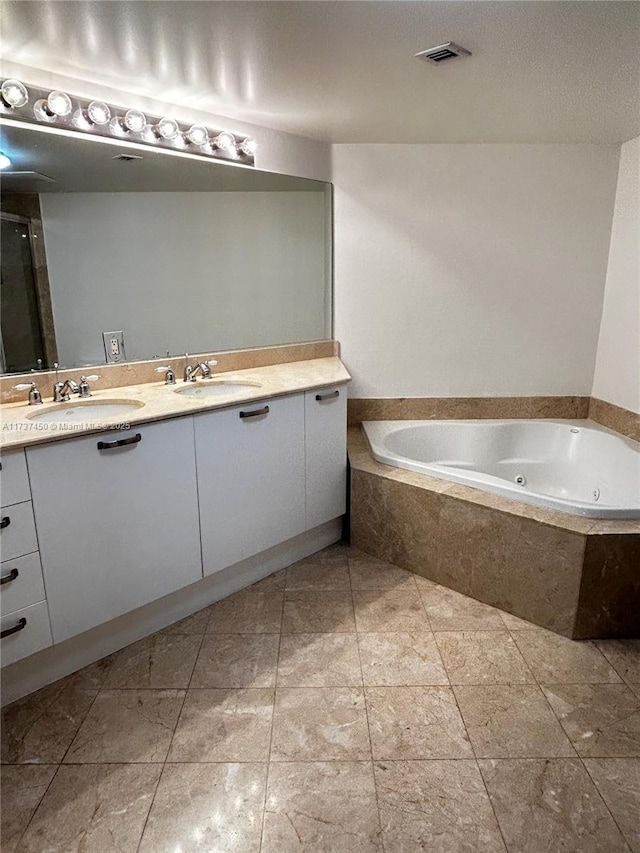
[180, 254]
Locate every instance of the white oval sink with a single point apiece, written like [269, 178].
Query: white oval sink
[84, 410]
[217, 387]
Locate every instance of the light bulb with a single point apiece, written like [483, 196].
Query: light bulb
[197, 135]
[59, 104]
[248, 146]
[14, 93]
[98, 112]
[167, 128]
[5, 162]
[225, 141]
[135, 121]
[80, 120]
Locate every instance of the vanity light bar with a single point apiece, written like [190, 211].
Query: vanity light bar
[59, 109]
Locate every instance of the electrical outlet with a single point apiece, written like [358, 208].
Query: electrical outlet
[113, 346]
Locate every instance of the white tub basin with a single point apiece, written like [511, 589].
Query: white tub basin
[84, 410]
[217, 388]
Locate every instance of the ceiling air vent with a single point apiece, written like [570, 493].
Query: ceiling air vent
[442, 53]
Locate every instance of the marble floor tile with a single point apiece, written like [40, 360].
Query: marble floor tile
[194, 624]
[39, 728]
[207, 807]
[370, 573]
[161, 660]
[602, 720]
[93, 808]
[389, 610]
[320, 571]
[401, 659]
[320, 724]
[272, 583]
[127, 726]
[325, 611]
[436, 806]
[549, 805]
[557, 660]
[246, 612]
[22, 786]
[224, 725]
[511, 721]
[315, 807]
[482, 657]
[237, 660]
[319, 660]
[618, 781]
[448, 610]
[415, 722]
[624, 656]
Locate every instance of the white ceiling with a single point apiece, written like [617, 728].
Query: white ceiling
[344, 71]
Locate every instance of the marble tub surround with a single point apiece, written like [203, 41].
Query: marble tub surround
[452, 408]
[576, 576]
[353, 731]
[143, 372]
[162, 401]
[615, 418]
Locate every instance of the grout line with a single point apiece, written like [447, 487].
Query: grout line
[604, 802]
[273, 714]
[366, 713]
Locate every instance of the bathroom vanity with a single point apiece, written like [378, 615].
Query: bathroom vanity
[232, 486]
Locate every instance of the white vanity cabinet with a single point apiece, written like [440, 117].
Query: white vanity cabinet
[251, 478]
[117, 521]
[325, 454]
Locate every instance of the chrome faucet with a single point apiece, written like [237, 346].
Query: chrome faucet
[204, 367]
[62, 390]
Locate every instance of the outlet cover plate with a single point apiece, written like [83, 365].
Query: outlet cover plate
[114, 347]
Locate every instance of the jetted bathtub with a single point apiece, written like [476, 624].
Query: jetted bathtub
[577, 467]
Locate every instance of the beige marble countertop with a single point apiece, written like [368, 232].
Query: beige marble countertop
[162, 401]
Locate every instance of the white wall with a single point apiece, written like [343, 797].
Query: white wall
[617, 373]
[185, 271]
[471, 270]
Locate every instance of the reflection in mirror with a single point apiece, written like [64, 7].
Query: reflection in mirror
[182, 255]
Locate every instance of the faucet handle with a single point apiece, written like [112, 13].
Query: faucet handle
[211, 363]
[169, 375]
[35, 397]
[91, 378]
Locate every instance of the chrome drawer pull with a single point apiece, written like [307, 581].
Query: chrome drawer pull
[20, 624]
[330, 395]
[6, 521]
[120, 442]
[13, 574]
[255, 413]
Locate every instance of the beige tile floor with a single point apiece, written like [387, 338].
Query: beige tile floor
[341, 705]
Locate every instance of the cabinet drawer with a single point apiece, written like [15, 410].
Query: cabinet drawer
[22, 583]
[18, 535]
[33, 635]
[14, 480]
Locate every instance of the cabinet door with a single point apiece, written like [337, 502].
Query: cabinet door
[118, 526]
[326, 454]
[250, 479]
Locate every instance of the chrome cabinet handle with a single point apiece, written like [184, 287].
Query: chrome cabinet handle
[330, 395]
[20, 624]
[13, 574]
[255, 413]
[120, 442]
[6, 521]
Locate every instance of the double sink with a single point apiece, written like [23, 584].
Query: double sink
[99, 409]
